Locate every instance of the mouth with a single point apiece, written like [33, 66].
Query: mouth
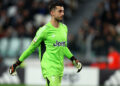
[61, 17]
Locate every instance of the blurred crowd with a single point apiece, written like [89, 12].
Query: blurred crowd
[22, 18]
[107, 27]
[101, 32]
[96, 37]
[99, 36]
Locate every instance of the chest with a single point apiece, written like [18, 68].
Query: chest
[56, 35]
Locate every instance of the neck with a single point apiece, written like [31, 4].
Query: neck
[54, 22]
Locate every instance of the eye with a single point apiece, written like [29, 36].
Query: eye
[61, 11]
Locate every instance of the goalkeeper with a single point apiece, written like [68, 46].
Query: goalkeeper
[54, 35]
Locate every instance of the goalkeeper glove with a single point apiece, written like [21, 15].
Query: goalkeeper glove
[12, 69]
[76, 63]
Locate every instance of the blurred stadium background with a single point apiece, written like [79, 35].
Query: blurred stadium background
[94, 38]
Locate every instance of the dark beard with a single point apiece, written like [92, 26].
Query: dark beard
[58, 20]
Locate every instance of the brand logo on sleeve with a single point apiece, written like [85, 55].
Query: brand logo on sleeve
[34, 40]
[59, 44]
[53, 35]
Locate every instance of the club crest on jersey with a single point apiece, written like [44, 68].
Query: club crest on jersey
[34, 40]
[59, 44]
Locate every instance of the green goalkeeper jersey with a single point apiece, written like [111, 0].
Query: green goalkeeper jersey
[55, 40]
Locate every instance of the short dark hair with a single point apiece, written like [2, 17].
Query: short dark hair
[53, 4]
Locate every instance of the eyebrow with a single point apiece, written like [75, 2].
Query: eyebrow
[61, 10]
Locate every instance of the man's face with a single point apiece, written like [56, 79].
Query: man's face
[58, 13]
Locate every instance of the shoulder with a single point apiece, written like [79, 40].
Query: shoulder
[64, 26]
[42, 29]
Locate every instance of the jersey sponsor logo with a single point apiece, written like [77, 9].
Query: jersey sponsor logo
[59, 44]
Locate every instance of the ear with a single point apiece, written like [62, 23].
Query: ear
[52, 12]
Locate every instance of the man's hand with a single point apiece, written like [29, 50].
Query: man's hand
[12, 69]
[76, 63]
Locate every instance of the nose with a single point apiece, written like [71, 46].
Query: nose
[62, 13]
